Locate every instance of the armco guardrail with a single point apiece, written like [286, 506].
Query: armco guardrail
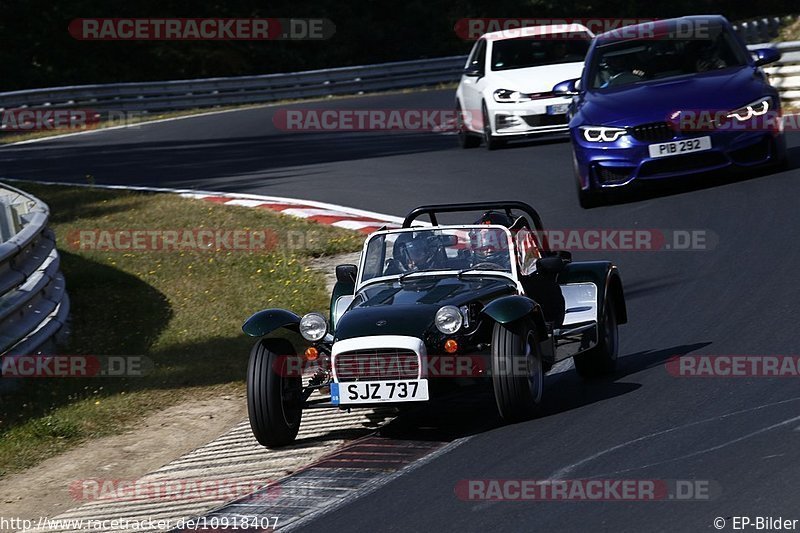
[34, 305]
[785, 74]
[762, 29]
[189, 94]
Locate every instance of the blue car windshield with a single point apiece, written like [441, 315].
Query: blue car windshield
[621, 63]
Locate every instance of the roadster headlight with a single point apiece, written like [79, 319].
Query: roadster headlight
[754, 109]
[507, 96]
[313, 327]
[448, 319]
[599, 134]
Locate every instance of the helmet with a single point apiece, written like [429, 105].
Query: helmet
[495, 217]
[415, 251]
[489, 246]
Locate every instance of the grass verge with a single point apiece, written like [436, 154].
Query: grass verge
[181, 310]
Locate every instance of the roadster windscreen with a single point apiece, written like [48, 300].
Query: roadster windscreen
[437, 249]
[625, 62]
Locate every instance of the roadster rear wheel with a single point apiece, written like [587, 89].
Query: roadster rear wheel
[602, 359]
[273, 392]
[517, 373]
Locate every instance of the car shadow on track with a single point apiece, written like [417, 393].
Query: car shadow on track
[535, 141]
[567, 391]
[473, 411]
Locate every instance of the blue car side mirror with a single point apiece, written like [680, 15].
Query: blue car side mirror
[566, 88]
[765, 56]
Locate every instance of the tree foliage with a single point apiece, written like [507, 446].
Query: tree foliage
[36, 50]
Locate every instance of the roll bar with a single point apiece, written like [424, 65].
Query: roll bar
[508, 207]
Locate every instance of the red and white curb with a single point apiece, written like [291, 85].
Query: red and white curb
[321, 212]
[333, 215]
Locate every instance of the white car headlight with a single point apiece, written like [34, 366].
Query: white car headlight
[313, 327]
[753, 109]
[507, 96]
[599, 134]
[449, 319]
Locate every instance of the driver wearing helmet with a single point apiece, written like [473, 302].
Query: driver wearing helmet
[414, 251]
[489, 248]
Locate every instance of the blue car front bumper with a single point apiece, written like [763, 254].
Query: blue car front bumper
[622, 162]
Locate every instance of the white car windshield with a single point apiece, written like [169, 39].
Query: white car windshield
[525, 52]
[397, 253]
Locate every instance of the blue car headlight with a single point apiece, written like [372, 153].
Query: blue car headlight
[599, 134]
[753, 109]
[507, 96]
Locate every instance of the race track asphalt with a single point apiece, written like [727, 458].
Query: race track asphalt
[742, 435]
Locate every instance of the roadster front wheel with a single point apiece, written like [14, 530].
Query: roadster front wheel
[274, 392]
[602, 359]
[517, 373]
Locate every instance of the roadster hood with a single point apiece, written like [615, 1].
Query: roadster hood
[408, 309]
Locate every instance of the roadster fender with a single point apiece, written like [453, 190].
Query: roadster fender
[605, 275]
[266, 321]
[510, 308]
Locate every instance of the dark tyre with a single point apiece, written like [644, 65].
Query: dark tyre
[491, 142]
[517, 373]
[273, 393]
[466, 139]
[602, 359]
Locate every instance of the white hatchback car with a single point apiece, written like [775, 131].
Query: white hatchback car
[506, 89]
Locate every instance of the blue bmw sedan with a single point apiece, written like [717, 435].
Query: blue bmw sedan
[667, 99]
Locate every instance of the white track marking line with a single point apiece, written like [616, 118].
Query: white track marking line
[559, 474]
[135, 124]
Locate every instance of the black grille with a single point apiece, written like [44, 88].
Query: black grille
[535, 121]
[683, 163]
[611, 175]
[380, 364]
[654, 132]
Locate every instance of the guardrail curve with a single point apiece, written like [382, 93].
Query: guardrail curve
[34, 305]
[202, 93]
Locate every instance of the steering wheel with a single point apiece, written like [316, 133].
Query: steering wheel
[622, 78]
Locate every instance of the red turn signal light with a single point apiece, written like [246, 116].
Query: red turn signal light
[450, 346]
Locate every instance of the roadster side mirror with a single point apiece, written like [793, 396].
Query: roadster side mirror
[551, 265]
[346, 273]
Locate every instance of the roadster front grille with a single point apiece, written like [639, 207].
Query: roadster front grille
[380, 364]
